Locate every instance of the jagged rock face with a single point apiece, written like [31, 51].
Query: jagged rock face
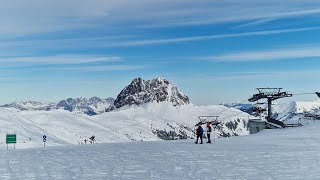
[141, 91]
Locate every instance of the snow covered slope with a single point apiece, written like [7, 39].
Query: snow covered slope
[291, 153]
[307, 106]
[288, 111]
[150, 122]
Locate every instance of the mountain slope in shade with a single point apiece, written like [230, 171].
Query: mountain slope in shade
[158, 90]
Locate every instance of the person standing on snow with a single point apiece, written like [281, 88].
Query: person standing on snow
[208, 132]
[199, 133]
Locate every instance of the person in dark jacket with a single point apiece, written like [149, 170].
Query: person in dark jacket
[199, 133]
[208, 132]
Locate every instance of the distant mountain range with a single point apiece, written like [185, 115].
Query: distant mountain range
[91, 106]
[138, 92]
[248, 108]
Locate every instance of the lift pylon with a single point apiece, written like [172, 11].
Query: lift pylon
[271, 94]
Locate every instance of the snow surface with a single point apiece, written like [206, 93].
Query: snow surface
[291, 153]
[122, 125]
[307, 106]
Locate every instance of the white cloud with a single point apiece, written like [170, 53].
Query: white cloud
[38, 16]
[99, 68]
[269, 55]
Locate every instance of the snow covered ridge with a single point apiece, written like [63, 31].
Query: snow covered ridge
[91, 106]
[287, 112]
[30, 105]
[307, 106]
[141, 91]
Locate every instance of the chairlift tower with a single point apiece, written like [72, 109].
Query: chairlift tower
[207, 117]
[271, 94]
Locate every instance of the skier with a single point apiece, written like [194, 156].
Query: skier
[208, 131]
[85, 141]
[92, 138]
[199, 132]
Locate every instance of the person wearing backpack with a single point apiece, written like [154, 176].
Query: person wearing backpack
[199, 133]
[208, 132]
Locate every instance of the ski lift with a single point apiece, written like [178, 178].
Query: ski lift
[318, 94]
[215, 122]
[204, 120]
[200, 123]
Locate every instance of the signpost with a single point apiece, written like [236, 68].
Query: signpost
[215, 124]
[11, 139]
[44, 140]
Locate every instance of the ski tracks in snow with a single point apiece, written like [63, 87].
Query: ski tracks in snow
[268, 155]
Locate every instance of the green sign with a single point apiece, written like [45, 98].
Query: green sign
[11, 138]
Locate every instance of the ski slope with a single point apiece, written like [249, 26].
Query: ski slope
[125, 125]
[291, 153]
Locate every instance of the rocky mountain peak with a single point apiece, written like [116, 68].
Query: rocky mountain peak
[141, 91]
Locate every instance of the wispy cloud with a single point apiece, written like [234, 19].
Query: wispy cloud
[99, 68]
[133, 41]
[58, 59]
[285, 74]
[269, 55]
[255, 23]
[215, 12]
[209, 37]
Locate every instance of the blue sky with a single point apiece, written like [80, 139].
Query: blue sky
[214, 51]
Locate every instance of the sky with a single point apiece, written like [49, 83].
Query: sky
[214, 51]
